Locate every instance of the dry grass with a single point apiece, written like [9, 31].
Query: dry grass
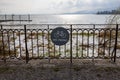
[41, 70]
[52, 56]
[8, 53]
[118, 46]
[18, 47]
[68, 50]
[107, 34]
[4, 69]
[85, 45]
[20, 33]
[41, 45]
[84, 34]
[13, 38]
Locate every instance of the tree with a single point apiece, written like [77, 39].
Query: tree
[108, 36]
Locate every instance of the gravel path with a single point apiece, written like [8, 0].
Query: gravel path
[60, 70]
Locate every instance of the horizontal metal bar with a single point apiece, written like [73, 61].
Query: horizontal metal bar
[52, 24]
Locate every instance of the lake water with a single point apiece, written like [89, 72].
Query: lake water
[69, 19]
[59, 19]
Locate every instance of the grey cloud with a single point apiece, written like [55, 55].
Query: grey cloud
[96, 5]
[58, 6]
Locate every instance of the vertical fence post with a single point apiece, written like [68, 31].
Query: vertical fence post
[12, 17]
[20, 18]
[3, 45]
[5, 17]
[93, 43]
[49, 43]
[29, 17]
[71, 44]
[116, 42]
[27, 54]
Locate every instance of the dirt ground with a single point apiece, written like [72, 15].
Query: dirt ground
[60, 69]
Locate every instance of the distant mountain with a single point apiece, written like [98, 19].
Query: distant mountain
[97, 11]
[83, 12]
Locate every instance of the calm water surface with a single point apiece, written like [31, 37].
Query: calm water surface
[60, 19]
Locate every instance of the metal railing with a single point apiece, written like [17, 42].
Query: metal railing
[32, 41]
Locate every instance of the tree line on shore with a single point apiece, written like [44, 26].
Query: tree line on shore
[115, 11]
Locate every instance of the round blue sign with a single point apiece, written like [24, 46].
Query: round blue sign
[60, 36]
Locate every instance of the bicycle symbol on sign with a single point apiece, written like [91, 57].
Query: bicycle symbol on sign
[60, 34]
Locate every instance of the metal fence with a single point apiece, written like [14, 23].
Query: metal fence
[33, 41]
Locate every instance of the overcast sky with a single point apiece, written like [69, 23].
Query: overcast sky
[55, 6]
